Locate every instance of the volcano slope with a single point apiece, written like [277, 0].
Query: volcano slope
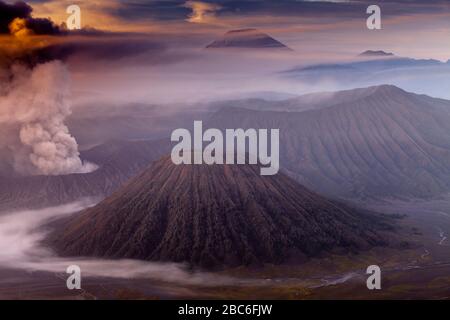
[118, 161]
[374, 142]
[214, 217]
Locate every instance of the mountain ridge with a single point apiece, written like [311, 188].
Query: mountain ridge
[388, 143]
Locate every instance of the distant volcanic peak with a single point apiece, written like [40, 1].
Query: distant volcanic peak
[371, 96]
[376, 53]
[247, 38]
[388, 88]
[367, 91]
[243, 31]
[388, 91]
[214, 216]
[349, 96]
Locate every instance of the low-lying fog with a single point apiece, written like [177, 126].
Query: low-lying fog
[204, 76]
[21, 233]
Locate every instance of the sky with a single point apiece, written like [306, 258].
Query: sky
[136, 52]
[152, 51]
[410, 27]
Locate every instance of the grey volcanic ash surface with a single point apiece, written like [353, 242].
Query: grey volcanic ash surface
[215, 216]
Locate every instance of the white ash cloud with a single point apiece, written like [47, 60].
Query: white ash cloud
[22, 233]
[35, 103]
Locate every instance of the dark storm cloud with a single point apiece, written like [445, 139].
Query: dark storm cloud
[158, 10]
[101, 48]
[42, 26]
[86, 44]
[336, 8]
[175, 9]
[90, 49]
[39, 26]
[8, 12]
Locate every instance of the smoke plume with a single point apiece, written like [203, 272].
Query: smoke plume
[34, 97]
[19, 15]
[34, 104]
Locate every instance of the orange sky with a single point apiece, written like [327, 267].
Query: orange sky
[423, 35]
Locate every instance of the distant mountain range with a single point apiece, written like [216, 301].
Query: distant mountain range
[376, 53]
[371, 142]
[247, 38]
[428, 76]
[304, 102]
[365, 67]
[216, 216]
[375, 142]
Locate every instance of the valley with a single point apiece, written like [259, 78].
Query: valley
[345, 162]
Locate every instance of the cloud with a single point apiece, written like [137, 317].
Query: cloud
[101, 48]
[22, 234]
[35, 104]
[202, 12]
[143, 14]
[17, 19]
[9, 12]
[337, 1]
